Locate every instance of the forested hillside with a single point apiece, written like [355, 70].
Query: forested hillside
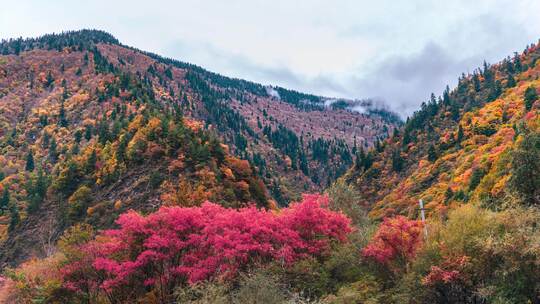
[473, 143]
[131, 178]
[91, 128]
[310, 145]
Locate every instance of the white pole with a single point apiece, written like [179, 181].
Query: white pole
[423, 215]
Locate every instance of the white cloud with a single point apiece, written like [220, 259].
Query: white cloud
[399, 51]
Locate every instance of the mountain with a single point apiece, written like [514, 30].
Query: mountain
[309, 140]
[90, 128]
[131, 178]
[458, 147]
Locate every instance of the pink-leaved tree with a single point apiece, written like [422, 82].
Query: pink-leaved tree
[395, 243]
[175, 245]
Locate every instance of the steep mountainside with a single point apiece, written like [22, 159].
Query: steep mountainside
[459, 147]
[281, 132]
[90, 128]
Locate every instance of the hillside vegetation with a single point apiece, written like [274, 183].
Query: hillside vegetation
[90, 128]
[473, 144]
[130, 178]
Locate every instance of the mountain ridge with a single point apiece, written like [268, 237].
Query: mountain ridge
[94, 36]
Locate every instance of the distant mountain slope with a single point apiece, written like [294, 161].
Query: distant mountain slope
[306, 134]
[459, 147]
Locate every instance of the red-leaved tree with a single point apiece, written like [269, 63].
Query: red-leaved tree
[450, 271]
[395, 243]
[177, 245]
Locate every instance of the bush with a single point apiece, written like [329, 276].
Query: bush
[259, 287]
[395, 243]
[307, 278]
[312, 278]
[367, 290]
[79, 202]
[478, 256]
[203, 293]
[344, 197]
[177, 245]
[39, 281]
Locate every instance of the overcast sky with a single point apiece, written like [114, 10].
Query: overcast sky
[397, 51]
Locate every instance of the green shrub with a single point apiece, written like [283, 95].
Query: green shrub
[79, 202]
[259, 287]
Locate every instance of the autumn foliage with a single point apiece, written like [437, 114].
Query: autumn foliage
[185, 245]
[395, 242]
[449, 271]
